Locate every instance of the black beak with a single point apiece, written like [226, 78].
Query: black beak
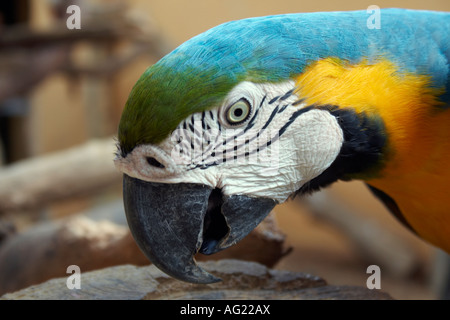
[172, 222]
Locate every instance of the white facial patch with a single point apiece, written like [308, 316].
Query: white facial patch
[278, 148]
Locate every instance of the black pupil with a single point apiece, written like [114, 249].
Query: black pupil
[238, 112]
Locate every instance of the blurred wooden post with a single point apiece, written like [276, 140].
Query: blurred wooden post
[79, 171]
[14, 131]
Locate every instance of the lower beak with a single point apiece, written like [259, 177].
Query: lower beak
[172, 222]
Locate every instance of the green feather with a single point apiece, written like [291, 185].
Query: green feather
[163, 97]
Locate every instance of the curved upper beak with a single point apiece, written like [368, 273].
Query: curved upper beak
[172, 222]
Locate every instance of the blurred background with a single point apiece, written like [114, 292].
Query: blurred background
[61, 96]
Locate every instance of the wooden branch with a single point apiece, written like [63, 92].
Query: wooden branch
[241, 280]
[45, 250]
[19, 36]
[79, 171]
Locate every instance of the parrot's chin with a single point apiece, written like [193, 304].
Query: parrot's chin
[172, 222]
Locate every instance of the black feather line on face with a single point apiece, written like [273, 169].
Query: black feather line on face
[283, 108]
[294, 116]
[287, 95]
[203, 121]
[362, 151]
[251, 123]
[273, 99]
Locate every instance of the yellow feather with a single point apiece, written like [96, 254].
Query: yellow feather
[417, 171]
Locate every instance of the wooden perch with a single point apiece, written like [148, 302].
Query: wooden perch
[241, 280]
[46, 250]
[37, 182]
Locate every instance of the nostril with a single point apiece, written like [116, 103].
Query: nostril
[155, 163]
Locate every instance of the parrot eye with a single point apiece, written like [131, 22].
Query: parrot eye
[238, 112]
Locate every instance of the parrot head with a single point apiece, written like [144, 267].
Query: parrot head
[218, 132]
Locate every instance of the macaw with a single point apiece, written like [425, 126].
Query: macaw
[257, 111]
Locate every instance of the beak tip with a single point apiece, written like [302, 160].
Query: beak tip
[195, 274]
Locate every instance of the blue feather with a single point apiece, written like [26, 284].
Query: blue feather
[274, 48]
